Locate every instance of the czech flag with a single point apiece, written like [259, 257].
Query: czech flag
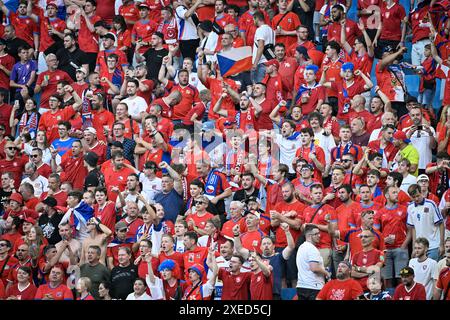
[442, 72]
[235, 61]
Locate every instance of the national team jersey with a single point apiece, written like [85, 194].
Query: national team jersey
[45, 39]
[61, 292]
[191, 257]
[392, 221]
[261, 286]
[49, 121]
[286, 209]
[313, 94]
[143, 29]
[351, 31]
[416, 292]
[345, 93]
[235, 287]
[367, 259]
[351, 236]
[287, 22]
[189, 96]
[53, 78]
[129, 12]
[247, 26]
[88, 40]
[323, 216]
[391, 19]
[25, 27]
[355, 219]
[338, 290]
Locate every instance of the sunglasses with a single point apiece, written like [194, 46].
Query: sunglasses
[346, 160]
[123, 230]
[11, 148]
[34, 156]
[3, 245]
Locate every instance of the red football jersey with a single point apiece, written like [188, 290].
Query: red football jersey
[235, 287]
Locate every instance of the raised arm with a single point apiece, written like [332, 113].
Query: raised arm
[290, 241]
[238, 244]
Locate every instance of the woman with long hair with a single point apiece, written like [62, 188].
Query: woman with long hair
[41, 142]
[103, 291]
[443, 130]
[28, 122]
[123, 36]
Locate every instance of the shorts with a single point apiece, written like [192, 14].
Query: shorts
[394, 260]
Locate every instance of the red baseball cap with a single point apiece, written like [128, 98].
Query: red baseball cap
[272, 62]
[52, 3]
[400, 135]
[30, 220]
[16, 197]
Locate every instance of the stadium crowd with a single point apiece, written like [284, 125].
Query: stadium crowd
[224, 149]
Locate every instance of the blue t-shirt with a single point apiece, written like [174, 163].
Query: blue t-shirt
[172, 203]
[63, 146]
[21, 73]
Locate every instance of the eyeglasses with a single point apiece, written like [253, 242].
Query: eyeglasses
[123, 230]
[3, 245]
[365, 237]
[11, 148]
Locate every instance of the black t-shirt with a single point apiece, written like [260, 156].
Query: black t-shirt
[122, 279]
[153, 60]
[305, 17]
[240, 195]
[50, 227]
[71, 61]
[12, 46]
[4, 198]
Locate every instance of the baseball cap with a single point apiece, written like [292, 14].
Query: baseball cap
[143, 5]
[30, 220]
[50, 201]
[91, 158]
[303, 51]
[388, 48]
[255, 213]
[52, 3]
[423, 177]
[121, 225]
[159, 34]
[17, 197]
[109, 35]
[252, 198]
[406, 272]
[90, 130]
[272, 62]
[207, 126]
[116, 144]
[400, 135]
[199, 269]
[82, 69]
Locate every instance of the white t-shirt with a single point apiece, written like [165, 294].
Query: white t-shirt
[426, 219]
[209, 43]
[40, 185]
[409, 180]
[307, 279]
[262, 33]
[186, 27]
[422, 144]
[327, 143]
[132, 198]
[425, 273]
[150, 187]
[135, 105]
[288, 148]
[145, 296]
